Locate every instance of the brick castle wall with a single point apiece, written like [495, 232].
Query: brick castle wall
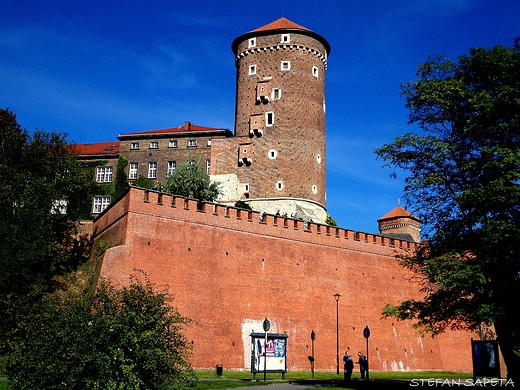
[229, 269]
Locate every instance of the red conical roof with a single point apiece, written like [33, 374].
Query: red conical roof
[398, 212]
[279, 24]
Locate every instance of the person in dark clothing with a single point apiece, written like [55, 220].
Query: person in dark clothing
[362, 365]
[348, 364]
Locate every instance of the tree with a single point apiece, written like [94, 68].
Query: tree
[121, 184]
[191, 181]
[464, 183]
[126, 338]
[43, 191]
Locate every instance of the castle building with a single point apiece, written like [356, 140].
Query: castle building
[229, 269]
[275, 160]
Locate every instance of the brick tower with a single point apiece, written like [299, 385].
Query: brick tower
[400, 223]
[280, 118]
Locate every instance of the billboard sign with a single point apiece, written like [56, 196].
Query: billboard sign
[275, 351]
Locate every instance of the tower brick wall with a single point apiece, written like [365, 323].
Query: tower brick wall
[280, 109]
[228, 269]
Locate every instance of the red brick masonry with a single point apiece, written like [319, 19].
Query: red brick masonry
[229, 269]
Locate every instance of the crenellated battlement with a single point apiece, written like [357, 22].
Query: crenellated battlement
[164, 205]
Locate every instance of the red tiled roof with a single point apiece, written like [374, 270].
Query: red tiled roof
[179, 129]
[280, 23]
[397, 213]
[95, 148]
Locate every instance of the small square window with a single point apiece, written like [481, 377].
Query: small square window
[172, 144]
[251, 42]
[154, 145]
[100, 204]
[134, 145]
[286, 65]
[286, 38]
[252, 69]
[104, 174]
[192, 142]
[315, 71]
[208, 143]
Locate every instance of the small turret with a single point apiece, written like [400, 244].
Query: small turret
[401, 224]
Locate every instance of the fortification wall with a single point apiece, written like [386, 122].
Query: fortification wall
[228, 270]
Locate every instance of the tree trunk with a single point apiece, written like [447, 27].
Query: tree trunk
[506, 335]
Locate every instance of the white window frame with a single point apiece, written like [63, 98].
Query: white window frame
[152, 170]
[276, 94]
[272, 154]
[251, 42]
[208, 166]
[285, 38]
[314, 189]
[172, 166]
[100, 203]
[104, 174]
[172, 144]
[192, 142]
[279, 185]
[132, 170]
[208, 143]
[252, 70]
[154, 145]
[285, 66]
[269, 119]
[315, 71]
[134, 145]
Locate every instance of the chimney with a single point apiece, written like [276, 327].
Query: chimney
[187, 125]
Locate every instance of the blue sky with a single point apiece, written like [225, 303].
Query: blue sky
[97, 69]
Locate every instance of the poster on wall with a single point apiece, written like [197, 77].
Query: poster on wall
[485, 358]
[273, 354]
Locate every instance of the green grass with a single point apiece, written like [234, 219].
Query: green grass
[245, 375]
[3, 385]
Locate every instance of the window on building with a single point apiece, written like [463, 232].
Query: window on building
[315, 71]
[252, 69]
[251, 42]
[172, 166]
[100, 204]
[154, 145]
[286, 65]
[132, 171]
[209, 143]
[276, 93]
[104, 174]
[172, 144]
[208, 166]
[152, 170]
[272, 154]
[134, 145]
[279, 185]
[286, 38]
[192, 142]
[269, 118]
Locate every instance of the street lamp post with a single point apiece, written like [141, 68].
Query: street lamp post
[313, 337]
[336, 297]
